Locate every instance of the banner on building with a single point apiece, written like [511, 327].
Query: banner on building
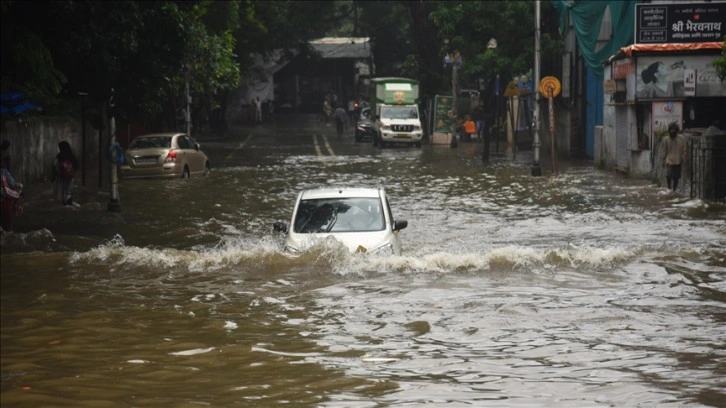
[665, 113]
[668, 76]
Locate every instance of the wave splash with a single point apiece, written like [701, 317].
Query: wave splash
[267, 255]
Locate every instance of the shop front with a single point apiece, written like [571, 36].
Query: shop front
[650, 84]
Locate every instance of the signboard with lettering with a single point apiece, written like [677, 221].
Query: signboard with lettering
[443, 119]
[665, 23]
[443, 115]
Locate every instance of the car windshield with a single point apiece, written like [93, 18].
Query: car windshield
[146, 142]
[399, 112]
[339, 215]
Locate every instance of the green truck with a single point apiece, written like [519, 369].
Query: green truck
[394, 106]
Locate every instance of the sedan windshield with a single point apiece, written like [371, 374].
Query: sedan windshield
[147, 142]
[339, 215]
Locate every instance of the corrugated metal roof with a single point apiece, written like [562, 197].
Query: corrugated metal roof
[343, 47]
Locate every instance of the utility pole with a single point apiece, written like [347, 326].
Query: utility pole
[491, 44]
[454, 142]
[536, 168]
[114, 204]
[84, 162]
[189, 104]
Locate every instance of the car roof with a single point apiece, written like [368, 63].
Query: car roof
[341, 192]
[168, 134]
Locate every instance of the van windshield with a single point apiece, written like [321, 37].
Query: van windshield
[399, 112]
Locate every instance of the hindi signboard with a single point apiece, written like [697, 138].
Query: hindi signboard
[443, 119]
[664, 23]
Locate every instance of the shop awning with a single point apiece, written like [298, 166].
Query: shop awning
[630, 49]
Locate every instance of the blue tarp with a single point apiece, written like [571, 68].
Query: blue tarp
[586, 17]
[14, 103]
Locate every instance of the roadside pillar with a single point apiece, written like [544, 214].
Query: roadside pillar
[114, 204]
[536, 169]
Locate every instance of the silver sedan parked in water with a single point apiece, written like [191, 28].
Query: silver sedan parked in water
[164, 155]
[359, 218]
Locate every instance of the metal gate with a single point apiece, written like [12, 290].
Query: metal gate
[708, 167]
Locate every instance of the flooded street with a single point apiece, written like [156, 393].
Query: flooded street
[583, 289]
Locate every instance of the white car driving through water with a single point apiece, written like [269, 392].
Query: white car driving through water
[359, 218]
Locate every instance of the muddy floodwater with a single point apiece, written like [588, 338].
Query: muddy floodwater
[577, 289]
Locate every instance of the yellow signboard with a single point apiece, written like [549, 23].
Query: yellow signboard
[512, 89]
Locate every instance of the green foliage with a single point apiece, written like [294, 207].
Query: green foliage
[39, 81]
[468, 26]
[720, 62]
[140, 50]
[410, 39]
[146, 50]
[388, 25]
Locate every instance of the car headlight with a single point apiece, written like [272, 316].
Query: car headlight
[291, 250]
[385, 249]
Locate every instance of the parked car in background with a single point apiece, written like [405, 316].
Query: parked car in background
[364, 126]
[164, 155]
[359, 218]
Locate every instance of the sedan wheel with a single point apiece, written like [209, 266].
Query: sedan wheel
[207, 169]
[185, 173]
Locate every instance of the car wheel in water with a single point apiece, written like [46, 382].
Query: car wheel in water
[207, 170]
[185, 173]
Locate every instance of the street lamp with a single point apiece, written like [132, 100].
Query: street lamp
[491, 45]
[188, 98]
[536, 169]
[83, 96]
[114, 203]
[455, 61]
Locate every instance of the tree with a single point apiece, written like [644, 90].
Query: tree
[720, 62]
[470, 25]
[27, 63]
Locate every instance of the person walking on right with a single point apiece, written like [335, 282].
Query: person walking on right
[674, 153]
[65, 167]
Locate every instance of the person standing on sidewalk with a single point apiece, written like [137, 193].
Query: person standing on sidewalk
[340, 118]
[674, 153]
[65, 167]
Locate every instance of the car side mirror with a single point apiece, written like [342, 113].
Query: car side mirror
[197, 146]
[399, 225]
[279, 226]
